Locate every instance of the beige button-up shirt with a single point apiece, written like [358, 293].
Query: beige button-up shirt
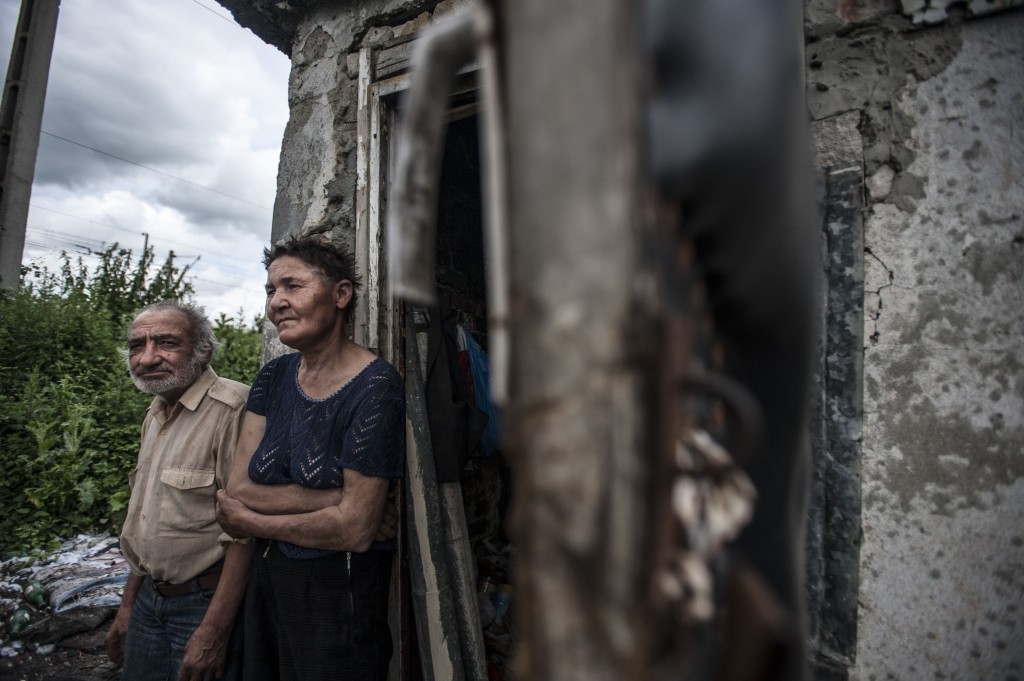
[171, 531]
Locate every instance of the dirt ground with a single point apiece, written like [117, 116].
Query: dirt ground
[60, 665]
[80, 657]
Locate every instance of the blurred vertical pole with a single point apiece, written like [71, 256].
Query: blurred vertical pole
[729, 143]
[21, 117]
[570, 80]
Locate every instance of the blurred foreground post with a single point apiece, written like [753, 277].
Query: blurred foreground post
[571, 79]
[641, 270]
[661, 302]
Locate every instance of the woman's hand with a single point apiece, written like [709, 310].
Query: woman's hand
[389, 522]
[232, 514]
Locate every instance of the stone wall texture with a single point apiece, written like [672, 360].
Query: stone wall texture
[933, 112]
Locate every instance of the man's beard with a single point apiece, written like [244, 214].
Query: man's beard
[173, 383]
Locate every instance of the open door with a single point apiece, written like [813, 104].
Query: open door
[457, 529]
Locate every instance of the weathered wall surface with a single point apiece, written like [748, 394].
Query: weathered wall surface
[934, 114]
[317, 174]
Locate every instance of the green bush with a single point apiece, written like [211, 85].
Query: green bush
[69, 413]
[238, 356]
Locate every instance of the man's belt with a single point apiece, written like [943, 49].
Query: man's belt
[207, 579]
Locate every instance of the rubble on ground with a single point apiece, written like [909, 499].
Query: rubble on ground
[60, 605]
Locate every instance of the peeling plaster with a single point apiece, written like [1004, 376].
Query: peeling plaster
[837, 141]
[317, 172]
[880, 183]
[967, 466]
[935, 11]
[943, 465]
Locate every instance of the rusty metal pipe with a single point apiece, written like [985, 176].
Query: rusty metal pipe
[412, 218]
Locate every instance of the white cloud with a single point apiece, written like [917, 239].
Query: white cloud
[169, 86]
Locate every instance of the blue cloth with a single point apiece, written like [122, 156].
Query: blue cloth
[480, 368]
[160, 628]
[310, 442]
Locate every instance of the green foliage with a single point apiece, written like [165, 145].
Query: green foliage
[69, 413]
[238, 356]
[69, 418]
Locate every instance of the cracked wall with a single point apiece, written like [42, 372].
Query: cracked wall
[934, 115]
[317, 172]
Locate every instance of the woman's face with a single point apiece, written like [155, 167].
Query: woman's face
[304, 308]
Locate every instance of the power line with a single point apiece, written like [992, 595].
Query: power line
[234, 286]
[153, 170]
[109, 224]
[76, 217]
[218, 14]
[51, 245]
[75, 240]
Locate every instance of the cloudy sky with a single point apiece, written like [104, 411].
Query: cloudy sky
[162, 118]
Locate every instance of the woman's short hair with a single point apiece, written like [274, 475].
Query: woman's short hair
[333, 261]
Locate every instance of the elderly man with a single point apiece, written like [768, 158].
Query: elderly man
[179, 608]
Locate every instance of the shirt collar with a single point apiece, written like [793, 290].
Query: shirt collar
[193, 396]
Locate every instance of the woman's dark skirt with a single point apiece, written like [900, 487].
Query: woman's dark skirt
[321, 618]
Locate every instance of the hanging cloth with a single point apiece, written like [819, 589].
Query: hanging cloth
[456, 424]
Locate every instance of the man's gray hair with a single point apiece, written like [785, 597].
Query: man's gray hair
[200, 328]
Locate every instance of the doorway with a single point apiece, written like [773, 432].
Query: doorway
[481, 475]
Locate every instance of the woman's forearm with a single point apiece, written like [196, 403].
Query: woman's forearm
[326, 528]
[284, 499]
[349, 526]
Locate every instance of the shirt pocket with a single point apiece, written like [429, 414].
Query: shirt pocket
[188, 498]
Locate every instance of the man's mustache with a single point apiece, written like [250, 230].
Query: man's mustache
[160, 367]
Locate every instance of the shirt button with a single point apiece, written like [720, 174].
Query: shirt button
[143, 516]
[163, 432]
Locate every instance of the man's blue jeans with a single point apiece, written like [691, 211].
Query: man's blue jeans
[160, 628]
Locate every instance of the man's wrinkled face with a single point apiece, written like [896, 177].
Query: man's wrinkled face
[161, 358]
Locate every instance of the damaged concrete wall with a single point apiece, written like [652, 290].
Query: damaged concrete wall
[932, 112]
[317, 172]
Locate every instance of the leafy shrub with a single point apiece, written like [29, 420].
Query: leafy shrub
[238, 356]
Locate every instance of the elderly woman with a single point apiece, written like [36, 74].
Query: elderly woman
[322, 440]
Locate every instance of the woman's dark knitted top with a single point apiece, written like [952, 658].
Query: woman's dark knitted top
[309, 442]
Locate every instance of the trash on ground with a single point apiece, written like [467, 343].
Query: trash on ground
[73, 590]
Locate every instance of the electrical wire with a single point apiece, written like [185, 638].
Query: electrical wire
[219, 15]
[153, 170]
[137, 232]
[58, 246]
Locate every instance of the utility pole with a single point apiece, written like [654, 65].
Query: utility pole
[21, 117]
[581, 520]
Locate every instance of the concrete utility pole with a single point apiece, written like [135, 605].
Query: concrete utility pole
[21, 117]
